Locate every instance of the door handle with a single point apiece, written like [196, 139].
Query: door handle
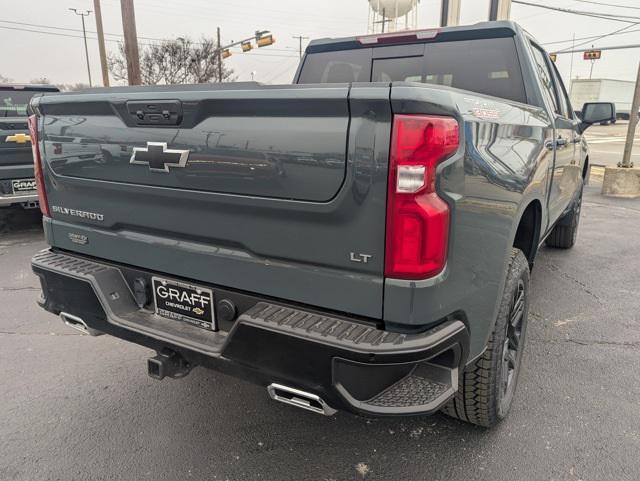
[557, 143]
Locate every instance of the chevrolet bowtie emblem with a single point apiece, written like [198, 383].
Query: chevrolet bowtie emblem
[158, 157]
[19, 138]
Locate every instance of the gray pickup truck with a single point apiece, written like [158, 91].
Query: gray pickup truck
[17, 184]
[360, 240]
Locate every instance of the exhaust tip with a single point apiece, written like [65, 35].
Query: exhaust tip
[299, 399]
[75, 322]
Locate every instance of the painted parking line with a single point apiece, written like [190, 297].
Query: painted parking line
[601, 140]
[634, 154]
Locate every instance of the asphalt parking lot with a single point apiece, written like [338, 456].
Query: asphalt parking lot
[75, 407]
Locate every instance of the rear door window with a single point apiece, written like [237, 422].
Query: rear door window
[565, 103]
[488, 66]
[341, 66]
[544, 74]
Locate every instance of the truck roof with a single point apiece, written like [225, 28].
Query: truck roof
[30, 87]
[503, 28]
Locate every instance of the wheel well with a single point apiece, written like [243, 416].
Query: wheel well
[528, 231]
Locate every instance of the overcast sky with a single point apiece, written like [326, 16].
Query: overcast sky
[28, 54]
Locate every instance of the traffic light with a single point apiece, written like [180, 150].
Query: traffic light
[265, 41]
[592, 55]
[246, 46]
[553, 57]
[226, 53]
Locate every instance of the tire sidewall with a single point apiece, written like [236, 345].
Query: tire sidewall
[518, 270]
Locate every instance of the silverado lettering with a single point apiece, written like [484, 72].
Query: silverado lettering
[77, 213]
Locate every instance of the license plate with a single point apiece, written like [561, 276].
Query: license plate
[21, 186]
[184, 302]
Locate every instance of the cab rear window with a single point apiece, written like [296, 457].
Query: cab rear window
[13, 103]
[488, 66]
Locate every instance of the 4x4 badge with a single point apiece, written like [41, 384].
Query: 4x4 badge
[158, 157]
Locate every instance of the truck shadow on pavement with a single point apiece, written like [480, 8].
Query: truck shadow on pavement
[233, 427]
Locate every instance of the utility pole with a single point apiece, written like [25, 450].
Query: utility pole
[499, 10]
[130, 42]
[633, 122]
[103, 53]
[219, 57]
[573, 46]
[300, 38]
[86, 13]
[450, 13]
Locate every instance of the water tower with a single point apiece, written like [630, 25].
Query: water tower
[392, 15]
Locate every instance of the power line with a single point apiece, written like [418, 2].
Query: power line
[240, 16]
[587, 38]
[52, 33]
[615, 32]
[57, 34]
[603, 16]
[290, 49]
[268, 13]
[300, 38]
[607, 4]
[74, 30]
[288, 66]
[614, 47]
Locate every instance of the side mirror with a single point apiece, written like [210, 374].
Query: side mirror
[596, 112]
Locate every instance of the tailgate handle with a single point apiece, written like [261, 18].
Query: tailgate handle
[166, 112]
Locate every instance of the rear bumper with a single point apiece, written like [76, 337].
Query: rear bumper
[350, 364]
[6, 200]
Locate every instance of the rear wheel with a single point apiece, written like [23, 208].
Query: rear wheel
[565, 232]
[486, 388]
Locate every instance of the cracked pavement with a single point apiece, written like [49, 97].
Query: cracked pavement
[76, 407]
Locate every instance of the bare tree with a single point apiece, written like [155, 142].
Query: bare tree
[4, 79]
[172, 62]
[40, 80]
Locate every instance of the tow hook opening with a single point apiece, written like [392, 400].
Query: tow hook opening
[168, 363]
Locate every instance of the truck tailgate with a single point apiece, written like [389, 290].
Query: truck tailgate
[15, 148]
[272, 190]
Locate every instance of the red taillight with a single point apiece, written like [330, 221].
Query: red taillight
[37, 165]
[417, 219]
